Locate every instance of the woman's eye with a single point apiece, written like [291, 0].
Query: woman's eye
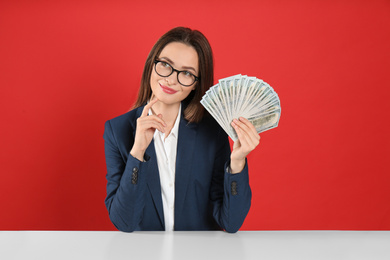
[187, 74]
[164, 64]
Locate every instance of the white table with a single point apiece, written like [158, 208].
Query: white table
[313, 245]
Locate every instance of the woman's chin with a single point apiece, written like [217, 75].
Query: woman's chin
[166, 99]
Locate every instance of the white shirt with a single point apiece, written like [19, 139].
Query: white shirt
[166, 149]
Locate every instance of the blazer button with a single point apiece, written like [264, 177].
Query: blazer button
[134, 176]
[234, 188]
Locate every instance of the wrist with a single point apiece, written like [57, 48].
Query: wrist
[237, 166]
[138, 154]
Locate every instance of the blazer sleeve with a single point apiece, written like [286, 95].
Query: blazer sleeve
[125, 185]
[230, 193]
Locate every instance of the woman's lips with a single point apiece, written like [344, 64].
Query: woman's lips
[167, 89]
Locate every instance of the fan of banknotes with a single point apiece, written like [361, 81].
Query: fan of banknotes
[243, 96]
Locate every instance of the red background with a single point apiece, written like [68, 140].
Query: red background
[68, 66]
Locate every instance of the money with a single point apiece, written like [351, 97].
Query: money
[243, 96]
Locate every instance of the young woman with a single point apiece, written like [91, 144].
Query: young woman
[169, 165]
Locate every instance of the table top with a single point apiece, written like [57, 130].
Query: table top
[195, 245]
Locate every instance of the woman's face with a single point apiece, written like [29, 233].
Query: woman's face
[181, 57]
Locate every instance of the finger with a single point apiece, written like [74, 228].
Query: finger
[252, 138]
[151, 125]
[163, 122]
[248, 124]
[249, 140]
[250, 130]
[148, 106]
[242, 136]
[157, 118]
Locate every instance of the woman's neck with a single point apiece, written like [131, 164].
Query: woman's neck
[169, 112]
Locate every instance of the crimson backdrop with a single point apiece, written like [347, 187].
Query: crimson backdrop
[68, 66]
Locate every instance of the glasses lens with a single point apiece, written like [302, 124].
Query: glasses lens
[186, 78]
[163, 69]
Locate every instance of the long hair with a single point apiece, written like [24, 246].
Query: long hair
[193, 111]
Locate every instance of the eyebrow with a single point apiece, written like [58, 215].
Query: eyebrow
[172, 63]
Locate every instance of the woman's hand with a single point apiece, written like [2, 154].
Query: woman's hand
[146, 126]
[248, 139]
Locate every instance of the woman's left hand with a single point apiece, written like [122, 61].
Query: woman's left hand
[247, 141]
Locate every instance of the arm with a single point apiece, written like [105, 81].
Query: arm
[230, 193]
[125, 194]
[126, 178]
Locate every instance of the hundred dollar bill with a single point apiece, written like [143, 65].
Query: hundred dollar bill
[243, 96]
[265, 123]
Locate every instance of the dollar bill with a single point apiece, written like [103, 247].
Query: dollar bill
[243, 96]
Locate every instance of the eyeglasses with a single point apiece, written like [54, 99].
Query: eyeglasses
[165, 69]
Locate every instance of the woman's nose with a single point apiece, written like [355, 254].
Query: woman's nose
[172, 79]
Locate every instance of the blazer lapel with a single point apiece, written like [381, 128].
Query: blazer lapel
[185, 152]
[153, 181]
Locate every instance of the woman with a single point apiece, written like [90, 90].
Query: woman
[169, 165]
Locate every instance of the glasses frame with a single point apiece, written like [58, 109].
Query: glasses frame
[177, 73]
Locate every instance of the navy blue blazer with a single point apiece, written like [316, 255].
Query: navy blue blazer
[207, 196]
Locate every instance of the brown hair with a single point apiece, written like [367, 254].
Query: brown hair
[193, 111]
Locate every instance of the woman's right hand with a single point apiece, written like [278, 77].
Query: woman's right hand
[146, 126]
